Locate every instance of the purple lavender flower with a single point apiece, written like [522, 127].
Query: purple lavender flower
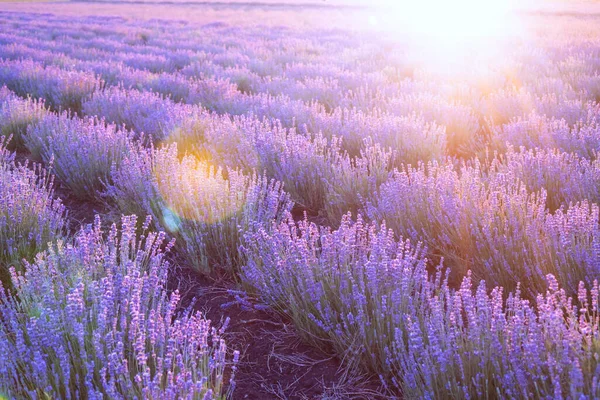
[96, 320]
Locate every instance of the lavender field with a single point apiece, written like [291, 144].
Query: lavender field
[299, 200]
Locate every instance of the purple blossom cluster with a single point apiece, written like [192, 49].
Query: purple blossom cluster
[565, 177]
[542, 131]
[412, 138]
[473, 345]
[142, 112]
[302, 163]
[61, 89]
[92, 319]
[353, 180]
[30, 215]
[15, 115]
[350, 287]
[82, 152]
[491, 224]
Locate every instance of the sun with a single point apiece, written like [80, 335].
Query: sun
[452, 19]
[451, 37]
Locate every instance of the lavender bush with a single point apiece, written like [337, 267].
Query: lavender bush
[16, 115]
[349, 288]
[93, 319]
[411, 136]
[82, 151]
[354, 179]
[300, 162]
[566, 177]
[204, 211]
[60, 88]
[142, 112]
[472, 345]
[30, 215]
[491, 225]
[540, 131]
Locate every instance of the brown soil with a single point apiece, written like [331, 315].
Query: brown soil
[80, 212]
[274, 362]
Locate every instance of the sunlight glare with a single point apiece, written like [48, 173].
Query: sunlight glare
[453, 19]
[452, 37]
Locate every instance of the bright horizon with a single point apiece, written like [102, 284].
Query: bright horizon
[459, 19]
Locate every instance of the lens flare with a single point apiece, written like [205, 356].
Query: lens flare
[193, 191]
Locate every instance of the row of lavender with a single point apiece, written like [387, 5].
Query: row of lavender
[300, 77]
[524, 219]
